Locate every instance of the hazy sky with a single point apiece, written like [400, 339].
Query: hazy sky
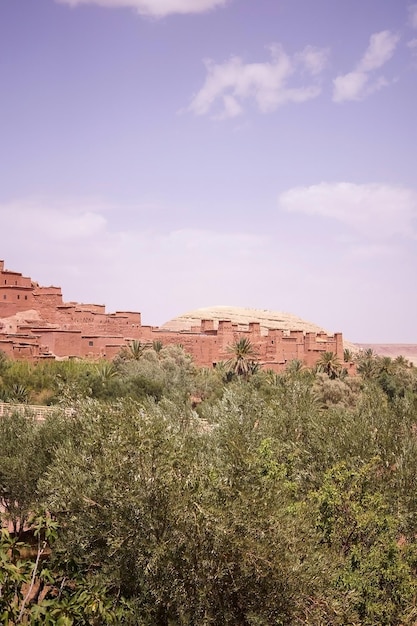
[164, 155]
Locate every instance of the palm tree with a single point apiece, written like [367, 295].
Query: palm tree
[367, 367]
[329, 363]
[254, 367]
[294, 367]
[401, 361]
[272, 378]
[19, 393]
[244, 359]
[367, 363]
[157, 345]
[135, 350]
[347, 355]
[4, 362]
[369, 353]
[105, 371]
[385, 364]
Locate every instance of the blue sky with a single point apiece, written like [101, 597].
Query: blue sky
[164, 155]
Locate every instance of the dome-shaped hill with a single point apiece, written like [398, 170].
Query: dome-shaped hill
[242, 317]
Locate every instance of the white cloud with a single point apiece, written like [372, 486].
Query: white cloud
[412, 15]
[233, 82]
[162, 273]
[58, 221]
[314, 59]
[373, 251]
[375, 211]
[360, 83]
[231, 106]
[127, 269]
[412, 46]
[381, 48]
[350, 86]
[155, 8]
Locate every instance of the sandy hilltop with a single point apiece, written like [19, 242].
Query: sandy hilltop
[242, 316]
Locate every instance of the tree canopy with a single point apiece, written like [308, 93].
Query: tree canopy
[158, 493]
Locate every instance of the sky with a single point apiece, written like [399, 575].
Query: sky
[165, 155]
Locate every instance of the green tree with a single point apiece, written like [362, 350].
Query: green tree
[34, 591]
[4, 362]
[27, 448]
[243, 359]
[347, 355]
[157, 345]
[294, 367]
[191, 525]
[373, 580]
[135, 350]
[330, 364]
[367, 367]
[401, 361]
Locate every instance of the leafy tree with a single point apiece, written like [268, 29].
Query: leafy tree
[208, 384]
[34, 591]
[335, 392]
[273, 499]
[27, 447]
[4, 362]
[191, 525]
[374, 581]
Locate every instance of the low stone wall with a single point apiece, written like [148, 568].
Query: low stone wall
[31, 410]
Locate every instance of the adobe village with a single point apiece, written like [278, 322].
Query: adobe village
[137, 488]
[35, 323]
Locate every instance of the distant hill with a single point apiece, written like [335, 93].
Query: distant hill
[242, 317]
[407, 350]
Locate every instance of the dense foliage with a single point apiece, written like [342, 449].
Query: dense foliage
[167, 495]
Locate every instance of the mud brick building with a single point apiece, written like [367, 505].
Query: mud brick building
[35, 323]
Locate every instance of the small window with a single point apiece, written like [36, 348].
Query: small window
[26, 297]
[4, 297]
[18, 296]
[91, 343]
